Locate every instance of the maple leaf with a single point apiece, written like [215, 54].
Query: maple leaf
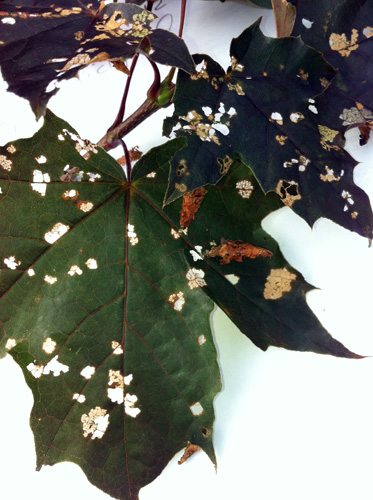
[105, 302]
[343, 31]
[261, 110]
[46, 43]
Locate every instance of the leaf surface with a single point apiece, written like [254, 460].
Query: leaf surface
[262, 111]
[97, 311]
[45, 43]
[342, 31]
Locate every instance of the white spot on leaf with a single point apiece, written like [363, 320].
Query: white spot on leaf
[51, 280]
[201, 339]
[295, 117]
[132, 236]
[232, 278]
[178, 301]
[8, 20]
[11, 262]
[117, 348]
[36, 370]
[79, 397]
[129, 405]
[75, 270]
[87, 372]
[306, 23]
[91, 263]
[41, 159]
[49, 345]
[56, 232]
[277, 117]
[10, 343]
[196, 409]
[244, 188]
[55, 367]
[5, 163]
[196, 254]
[31, 272]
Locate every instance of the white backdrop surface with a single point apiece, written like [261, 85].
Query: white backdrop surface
[294, 426]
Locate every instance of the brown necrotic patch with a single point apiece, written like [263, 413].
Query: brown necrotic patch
[288, 191]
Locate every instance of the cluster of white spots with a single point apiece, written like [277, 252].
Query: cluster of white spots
[49, 345]
[307, 23]
[55, 367]
[39, 181]
[177, 300]
[8, 20]
[95, 423]
[117, 348]
[200, 71]
[278, 282]
[232, 278]
[204, 131]
[116, 386]
[83, 147]
[11, 149]
[51, 280]
[41, 159]
[87, 372]
[244, 188]
[329, 176]
[196, 409]
[296, 117]
[302, 163]
[201, 339]
[312, 106]
[132, 236]
[277, 117]
[11, 262]
[236, 66]
[85, 206]
[176, 234]
[75, 270]
[195, 278]
[36, 370]
[5, 163]
[151, 175]
[196, 254]
[348, 197]
[31, 272]
[56, 232]
[91, 263]
[93, 177]
[71, 194]
[79, 397]
[129, 405]
[10, 343]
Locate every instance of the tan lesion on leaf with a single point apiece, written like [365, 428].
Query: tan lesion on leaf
[195, 278]
[5, 163]
[229, 251]
[116, 347]
[278, 282]
[342, 45]
[78, 60]
[327, 133]
[190, 450]
[225, 164]
[236, 66]
[303, 75]
[288, 191]
[95, 423]
[296, 116]
[85, 206]
[205, 131]
[11, 149]
[182, 168]
[324, 82]
[180, 187]
[201, 71]
[356, 114]
[329, 176]
[237, 87]
[78, 35]
[281, 139]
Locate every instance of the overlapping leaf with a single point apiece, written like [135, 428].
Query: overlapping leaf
[45, 43]
[261, 110]
[343, 31]
[97, 310]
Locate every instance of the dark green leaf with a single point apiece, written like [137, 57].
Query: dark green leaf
[342, 31]
[262, 110]
[96, 308]
[44, 44]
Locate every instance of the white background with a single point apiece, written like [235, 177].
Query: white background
[294, 426]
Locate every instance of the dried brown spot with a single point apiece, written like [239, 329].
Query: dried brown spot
[354, 214]
[324, 82]
[281, 139]
[71, 195]
[237, 87]
[288, 191]
[70, 175]
[340, 43]
[278, 282]
[229, 251]
[177, 300]
[191, 203]
[329, 176]
[236, 66]
[78, 35]
[180, 187]
[302, 75]
[181, 168]
[95, 423]
[205, 432]
[327, 133]
[200, 71]
[296, 116]
[78, 60]
[189, 451]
